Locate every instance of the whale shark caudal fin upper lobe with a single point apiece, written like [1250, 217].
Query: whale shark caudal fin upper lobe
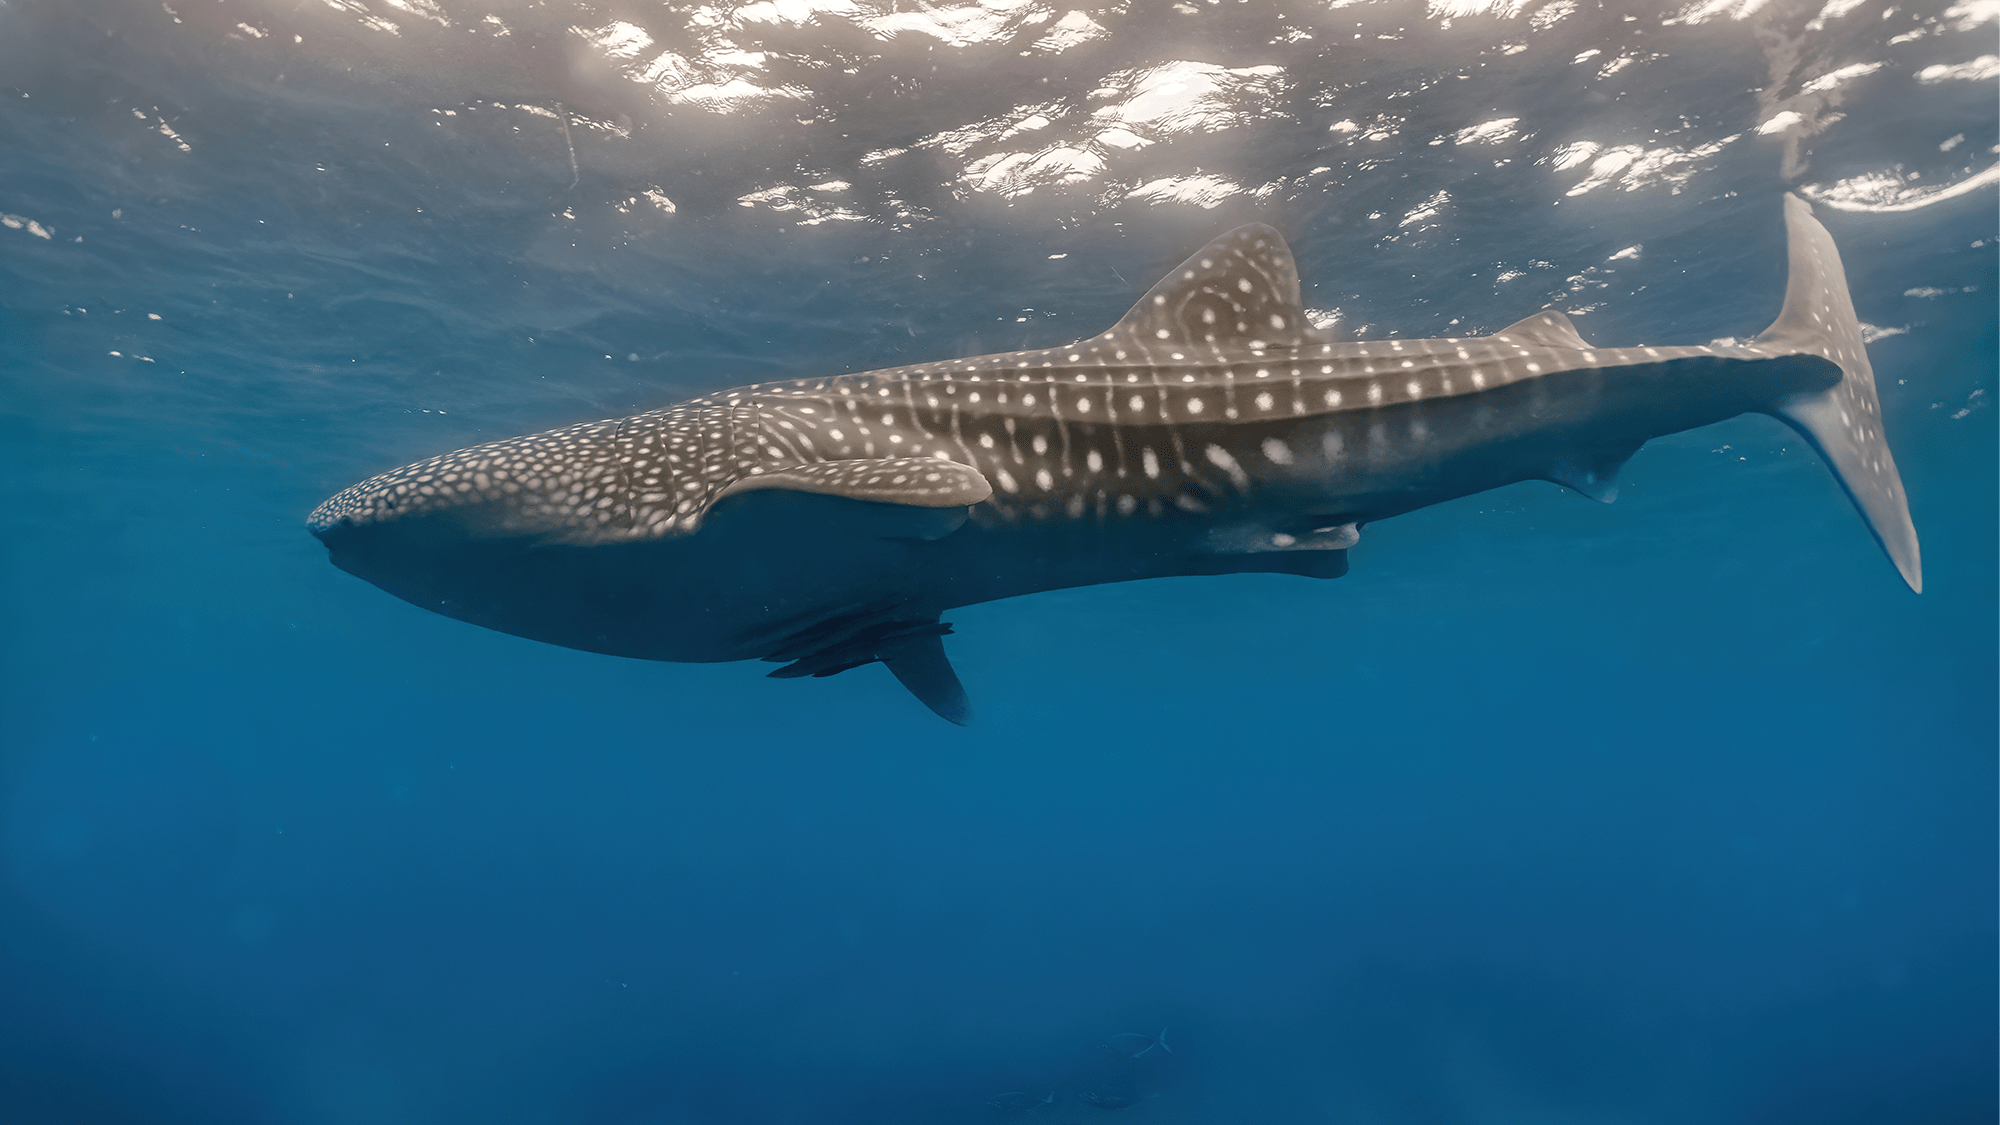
[1843, 422]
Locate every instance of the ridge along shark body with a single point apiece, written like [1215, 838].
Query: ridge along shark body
[828, 523]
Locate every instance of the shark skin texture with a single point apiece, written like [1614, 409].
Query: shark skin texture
[829, 523]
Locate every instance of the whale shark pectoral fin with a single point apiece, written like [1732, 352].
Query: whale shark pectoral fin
[918, 662]
[919, 482]
[1243, 287]
[913, 651]
[889, 497]
[1594, 473]
[1548, 328]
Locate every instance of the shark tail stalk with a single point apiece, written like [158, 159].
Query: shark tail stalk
[1844, 421]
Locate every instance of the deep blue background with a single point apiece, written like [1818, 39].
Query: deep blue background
[1680, 810]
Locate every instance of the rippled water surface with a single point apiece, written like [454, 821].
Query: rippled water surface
[1679, 810]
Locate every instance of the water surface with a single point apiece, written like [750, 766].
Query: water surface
[1679, 810]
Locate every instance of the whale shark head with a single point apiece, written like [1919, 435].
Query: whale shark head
[568, 485]
[464, 533]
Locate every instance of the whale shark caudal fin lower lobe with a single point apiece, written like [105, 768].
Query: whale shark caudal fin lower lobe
[1843, 422]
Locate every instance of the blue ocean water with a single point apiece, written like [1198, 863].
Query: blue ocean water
[1678, 810]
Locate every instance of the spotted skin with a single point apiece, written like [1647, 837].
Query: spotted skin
[1212, 430]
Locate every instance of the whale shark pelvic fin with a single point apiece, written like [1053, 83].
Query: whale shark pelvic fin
[1594, 472]
[1843, 422]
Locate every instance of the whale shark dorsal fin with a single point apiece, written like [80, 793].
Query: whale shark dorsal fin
[1241, 288]
[1548, 328]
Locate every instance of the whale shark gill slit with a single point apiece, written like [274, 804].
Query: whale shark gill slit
[828, 523]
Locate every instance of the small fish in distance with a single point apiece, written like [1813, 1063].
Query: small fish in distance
[1015, 1102]
[829, 523]
[1132, 1045]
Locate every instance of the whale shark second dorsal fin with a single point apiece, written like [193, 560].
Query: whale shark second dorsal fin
[1241, 288]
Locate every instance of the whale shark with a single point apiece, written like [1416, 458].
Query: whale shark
[828, 523]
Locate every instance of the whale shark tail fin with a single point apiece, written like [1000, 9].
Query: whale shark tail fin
[1844, 421]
